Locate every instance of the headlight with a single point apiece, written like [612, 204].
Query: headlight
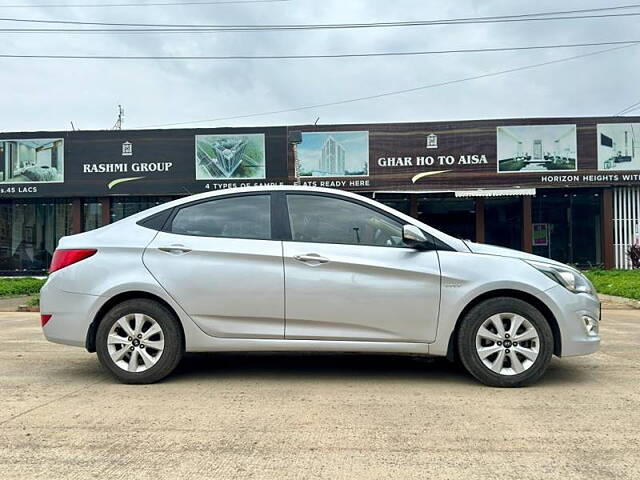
[567, 277]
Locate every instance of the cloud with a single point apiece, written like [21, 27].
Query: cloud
[48, 94]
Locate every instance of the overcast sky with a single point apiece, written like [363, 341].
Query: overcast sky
[48, 94]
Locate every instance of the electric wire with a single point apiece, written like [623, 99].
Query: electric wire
[630, 108]
[312, 56]
[137, 4]
[395, 92]
[561, 15]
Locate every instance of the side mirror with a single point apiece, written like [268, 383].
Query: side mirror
[412, 236]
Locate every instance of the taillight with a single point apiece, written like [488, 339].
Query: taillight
[64, 258]
[44, 319]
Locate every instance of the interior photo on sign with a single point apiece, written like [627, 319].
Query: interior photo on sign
[618, 146]
[32, 160]
[537, 148]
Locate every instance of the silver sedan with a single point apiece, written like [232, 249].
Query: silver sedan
[309, 269]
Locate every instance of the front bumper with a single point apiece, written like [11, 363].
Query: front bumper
[569, 310]
[71, 315]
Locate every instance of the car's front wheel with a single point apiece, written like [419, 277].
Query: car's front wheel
[139, 341]
[505, 342]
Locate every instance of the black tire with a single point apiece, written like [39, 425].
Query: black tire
[173, 341]
[472, 322]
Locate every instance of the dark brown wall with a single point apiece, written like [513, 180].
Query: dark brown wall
[468, 138]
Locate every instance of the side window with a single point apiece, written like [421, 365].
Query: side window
[234, 217]
[321, 219]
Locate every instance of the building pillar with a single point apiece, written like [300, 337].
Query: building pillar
[527, 226]
[480, 238]
[106, 210]
[606, 216]
[76, 216]
[413, 206]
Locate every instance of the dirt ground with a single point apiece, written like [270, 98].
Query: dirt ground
[316, 416]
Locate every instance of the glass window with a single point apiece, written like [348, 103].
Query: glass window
[570, 222]
[321, 219]
[400, 202]
[91, 214]
[29, 233]
[503, 222]
[235, 217]
[122, 207]
[451, 215]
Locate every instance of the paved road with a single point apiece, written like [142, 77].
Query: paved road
[316, 416]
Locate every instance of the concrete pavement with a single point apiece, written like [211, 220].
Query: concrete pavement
[316, 416]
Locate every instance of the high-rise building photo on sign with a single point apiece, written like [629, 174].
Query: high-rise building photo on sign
[220, 157]
[334, 154]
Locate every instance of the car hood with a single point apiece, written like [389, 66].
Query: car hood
[484, 249]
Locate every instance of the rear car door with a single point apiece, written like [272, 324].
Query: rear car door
[217, 259]
[349, 276]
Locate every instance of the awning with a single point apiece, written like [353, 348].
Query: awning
[504, 192]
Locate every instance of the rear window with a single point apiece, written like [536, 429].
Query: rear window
[234, 217]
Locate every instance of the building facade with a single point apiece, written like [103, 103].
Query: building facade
[563, 188]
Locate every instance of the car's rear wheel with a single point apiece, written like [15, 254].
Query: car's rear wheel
[505, 342]
[139, 341]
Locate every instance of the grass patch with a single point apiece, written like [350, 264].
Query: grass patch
[622, 283]
[13, 287]
[34, 301]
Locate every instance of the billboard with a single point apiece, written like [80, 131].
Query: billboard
[220, 157]
[391, 157]
[537, 148]
[334, 154]
[618, 146]
[36, 160]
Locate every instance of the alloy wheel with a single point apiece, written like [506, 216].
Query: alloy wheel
[507, 343]
[135, 342]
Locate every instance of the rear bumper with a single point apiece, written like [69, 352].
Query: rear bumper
[71, 315]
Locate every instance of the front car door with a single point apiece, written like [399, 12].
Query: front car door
[349, 276]
[217, 259]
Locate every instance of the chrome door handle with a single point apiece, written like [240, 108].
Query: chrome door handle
[175, 249]
[311, 258]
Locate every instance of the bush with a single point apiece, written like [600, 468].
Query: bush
[12, 287]
[622, 283]
[34, 301]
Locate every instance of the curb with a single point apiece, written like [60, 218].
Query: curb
[628, 302]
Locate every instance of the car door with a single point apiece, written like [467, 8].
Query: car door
[349, 276]
[217, 259]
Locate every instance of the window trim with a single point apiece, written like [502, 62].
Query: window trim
[289, 238]
[167, 226]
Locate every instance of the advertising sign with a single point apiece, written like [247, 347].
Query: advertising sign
[619, 146]
[27, 161]
[157, 162]
[392, 157]
[537, 148]
[540, 234]
[334, 154]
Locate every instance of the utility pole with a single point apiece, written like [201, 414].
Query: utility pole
[118, 125]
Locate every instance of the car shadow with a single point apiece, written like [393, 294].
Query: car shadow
[328, 366]
[352, 367]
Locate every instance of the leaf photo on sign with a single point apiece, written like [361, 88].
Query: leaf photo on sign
[537, 148]
[36, 160]
[223, 157]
